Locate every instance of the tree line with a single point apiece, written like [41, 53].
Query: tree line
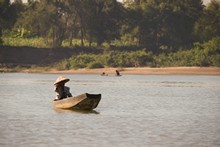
[161, 26]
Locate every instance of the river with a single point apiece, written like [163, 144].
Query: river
[135, 111]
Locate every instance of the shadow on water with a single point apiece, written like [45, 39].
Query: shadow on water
[76, 111]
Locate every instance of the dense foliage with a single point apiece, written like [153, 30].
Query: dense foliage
[170, 32]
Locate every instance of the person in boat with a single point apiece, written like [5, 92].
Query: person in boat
[60, 89]
[117, 73]
[104, 74]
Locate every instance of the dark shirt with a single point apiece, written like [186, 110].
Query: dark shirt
[62, 92]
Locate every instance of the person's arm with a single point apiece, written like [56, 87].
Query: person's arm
[57, 95]
[67, 90]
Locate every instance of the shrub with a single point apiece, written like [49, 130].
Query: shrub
[206, 54]
[216, 60]
[63, 65]
[95, 65]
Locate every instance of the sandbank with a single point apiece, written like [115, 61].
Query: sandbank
[145, 71]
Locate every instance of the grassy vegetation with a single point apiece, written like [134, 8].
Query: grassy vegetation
[34, 42]
[202, 54]
[40, 42]
[77, 42]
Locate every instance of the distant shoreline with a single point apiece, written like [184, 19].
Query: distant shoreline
[132, 70]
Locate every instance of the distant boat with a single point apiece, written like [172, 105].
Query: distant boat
[81, 102]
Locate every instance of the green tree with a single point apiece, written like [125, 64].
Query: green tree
[72, 20]
[1, 41]
[130, 28]
[45, 18]
[179, 23]
[102, 20]
[166, 24]
[9, 12]
[208, 25]
[77, 17]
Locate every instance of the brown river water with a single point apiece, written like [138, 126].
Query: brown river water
[135, 111]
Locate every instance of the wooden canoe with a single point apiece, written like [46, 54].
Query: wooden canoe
[81, 102]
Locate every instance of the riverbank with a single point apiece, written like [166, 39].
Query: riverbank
[141, 70]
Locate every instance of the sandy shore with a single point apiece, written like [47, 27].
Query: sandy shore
[157, 71]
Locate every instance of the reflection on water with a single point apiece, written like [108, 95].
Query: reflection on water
[135, 110]
[76, 111]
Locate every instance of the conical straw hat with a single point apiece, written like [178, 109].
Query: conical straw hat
[61, 79]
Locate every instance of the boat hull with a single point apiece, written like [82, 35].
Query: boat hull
[81, 102]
